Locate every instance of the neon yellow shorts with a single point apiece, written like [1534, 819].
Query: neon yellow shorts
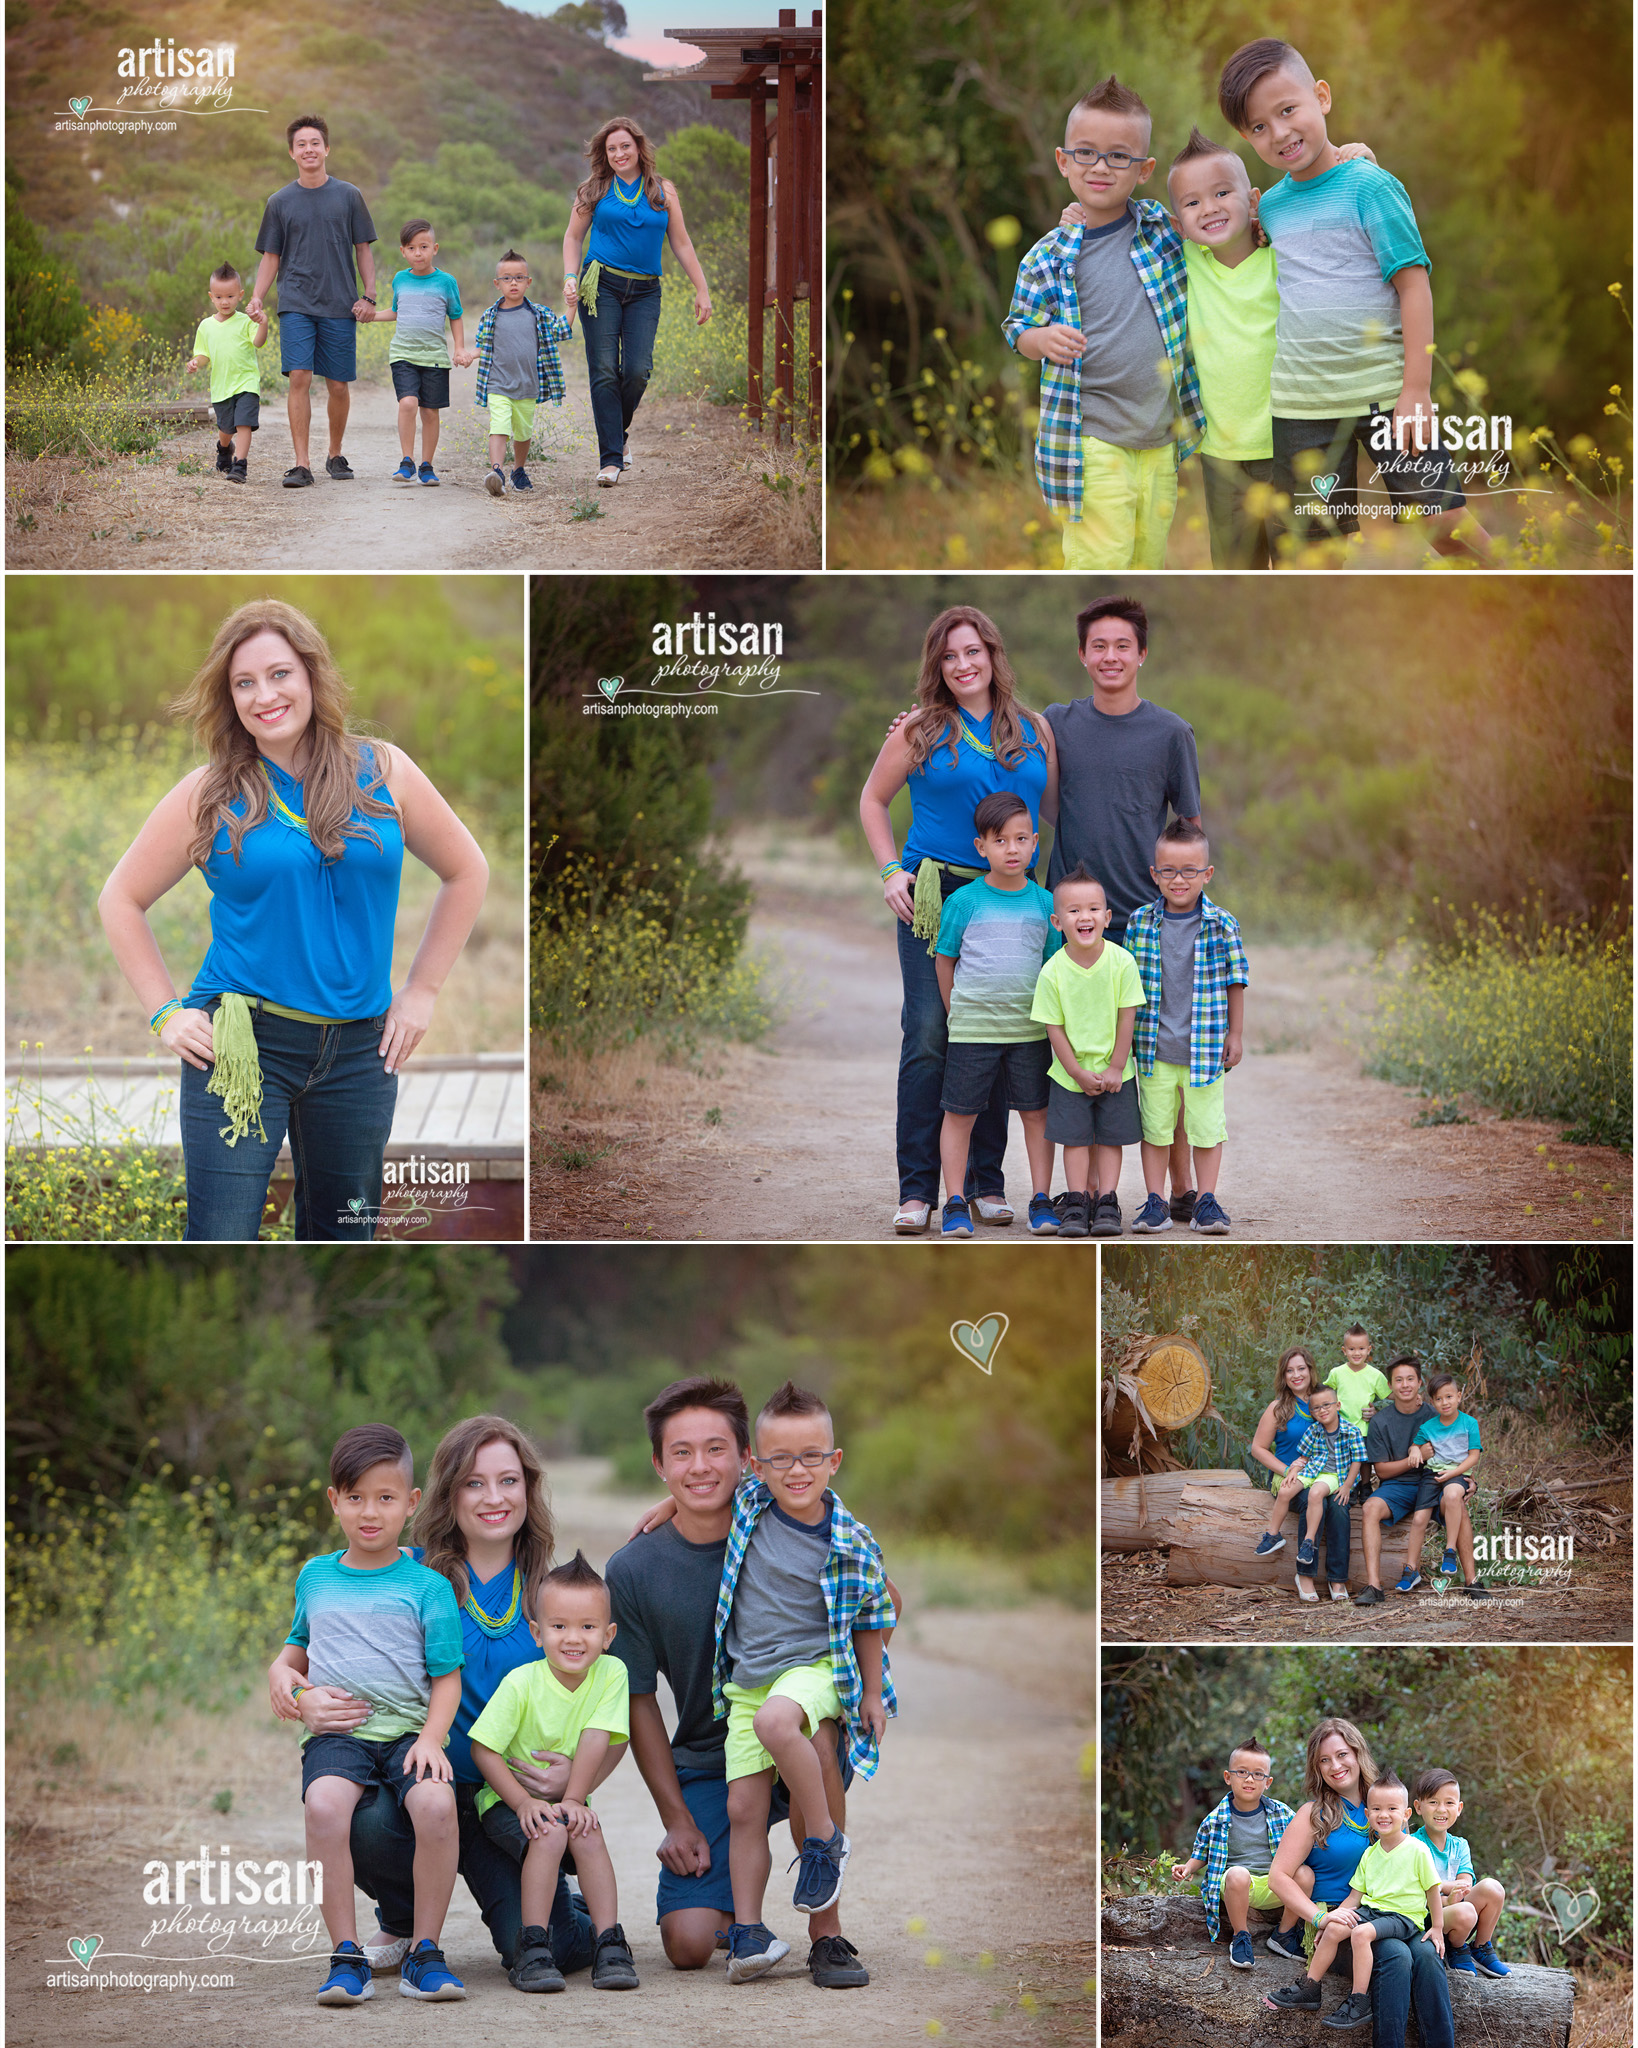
[1264, 1896]
[1204, 1121]
[1128, 496]
[1327, 1482]
[513, 417]
[812, 1686]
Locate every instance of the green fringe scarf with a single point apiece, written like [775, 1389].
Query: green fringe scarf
[237, 1074]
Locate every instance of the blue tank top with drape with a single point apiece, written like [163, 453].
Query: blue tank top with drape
[1290, 1434]
[1334, 1864]
[297, 929]
[626, 231]
[944, 794]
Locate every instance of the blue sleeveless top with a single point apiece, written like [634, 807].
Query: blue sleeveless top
[1290, 1434]
[943, 797]
[295, 928]
[626, 231]
[1335, 1864]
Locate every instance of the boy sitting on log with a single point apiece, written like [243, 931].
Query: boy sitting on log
[1395, 1896]
[1328, 1458]
[1235, 1846]
[1472, 1908]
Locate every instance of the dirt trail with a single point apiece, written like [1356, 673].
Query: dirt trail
[802, 1142]
[1007, 1877]
[685, 502]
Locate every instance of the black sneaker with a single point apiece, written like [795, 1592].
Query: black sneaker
[834, 1964]
[1106, 1217]
[224, 457]
[339, 467]
[238, 469]
[1354, 2011]
[1075, 1216]
[1302, 1996]
[1476, 1589]
[534, 1968]
[1182, 1206]
[299, 478]
[612, 1966]
[1288, 1943]
[1372, 1596]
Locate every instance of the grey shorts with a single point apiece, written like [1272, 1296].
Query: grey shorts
[505, 1830]
[1431, 1489]
[970, 1071]
[243, 409]
[1392, 1926]
[1077, 1119]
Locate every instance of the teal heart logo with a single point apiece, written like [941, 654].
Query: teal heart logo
[355, 1203]
[980, 1341]
[1325, 485]
[1571, 1911]
[79, 107]
[610, 686]
[84, 1948]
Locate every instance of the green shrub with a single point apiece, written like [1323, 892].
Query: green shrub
[54, 410]
[44, 311]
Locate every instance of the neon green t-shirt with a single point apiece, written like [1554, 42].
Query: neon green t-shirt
[1232, 316]
[231, 347]
[1086, 1002]
[532, 1708]
[1397, 1880]
[1357, 1391]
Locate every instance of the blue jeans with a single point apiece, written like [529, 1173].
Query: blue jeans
[1334, 1530]
[620, 357]
[921, 1089]
[325, 1084]
[1403, 1973]
[383, 1846]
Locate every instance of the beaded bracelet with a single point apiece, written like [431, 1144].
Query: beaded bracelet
[156, 1023]
[893, 867]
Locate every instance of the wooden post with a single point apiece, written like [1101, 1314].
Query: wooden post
[785, 233]
[756, 293]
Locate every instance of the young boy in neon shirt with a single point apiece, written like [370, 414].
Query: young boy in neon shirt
[226, 342]
[1359, 1386]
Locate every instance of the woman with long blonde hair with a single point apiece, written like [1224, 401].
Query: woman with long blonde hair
[623, 216]
[485, 1522]
[967, 738]
[299, 826]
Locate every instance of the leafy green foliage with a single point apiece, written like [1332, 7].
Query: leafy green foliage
[44, 309]
[474, 198]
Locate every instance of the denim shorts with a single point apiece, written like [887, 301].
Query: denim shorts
[358, 1761]
[1401, 1495]
[970, 1071]
[705, 1794]
[329, 348]
[1430, 1490]
[243, 409]
[426, 383]
[1419, 483]
[1077, 1119]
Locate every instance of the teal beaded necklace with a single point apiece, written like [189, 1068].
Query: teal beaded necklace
[492, 1624]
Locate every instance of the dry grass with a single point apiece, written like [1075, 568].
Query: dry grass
[1603, 2009]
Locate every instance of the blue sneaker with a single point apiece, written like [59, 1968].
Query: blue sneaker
[520, 479]
[1460, 1958]
[958, 1221]
[1267, 1545]
[1305, 1555]
[426, 1975]
[1287, 1944]
[1484, 1954]
[753, 1951]
[819, 1881]
[1209, 1217]
[428, 474]
[349, 1981]
[405, 472]
[1409, 1579]
[1043, 1216]
[1450, 1564]
[495, 483]
[1242, 1953]
[1154, 1215]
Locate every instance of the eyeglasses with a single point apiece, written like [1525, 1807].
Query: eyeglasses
[1116, 159]
[1180, 874]
[810, 1461]
[1252, 1777]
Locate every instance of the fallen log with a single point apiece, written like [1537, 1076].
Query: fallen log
[1165, 1986]
[1128, 1507]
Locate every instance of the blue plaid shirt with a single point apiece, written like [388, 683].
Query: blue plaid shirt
[1211, 1842]
[1321, 1453]
[1219, 965]
[1045, 295]
[856, 1596]
[550, 328]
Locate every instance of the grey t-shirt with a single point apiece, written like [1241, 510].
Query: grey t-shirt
[1391, 1434]
[1248, 1840]
[1126, 376]
[780, 1619]
[663, 1596]
[1118, 776]
[517, 343]
[312, 231]
[1177, 937]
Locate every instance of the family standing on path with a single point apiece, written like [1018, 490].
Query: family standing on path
[1105, 1008]
[316, 243]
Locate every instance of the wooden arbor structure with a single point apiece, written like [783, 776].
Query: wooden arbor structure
[780, 71]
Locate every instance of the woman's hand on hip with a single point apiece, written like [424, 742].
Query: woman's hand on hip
[899, 894]
[187, 1033]
[407, 1023]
